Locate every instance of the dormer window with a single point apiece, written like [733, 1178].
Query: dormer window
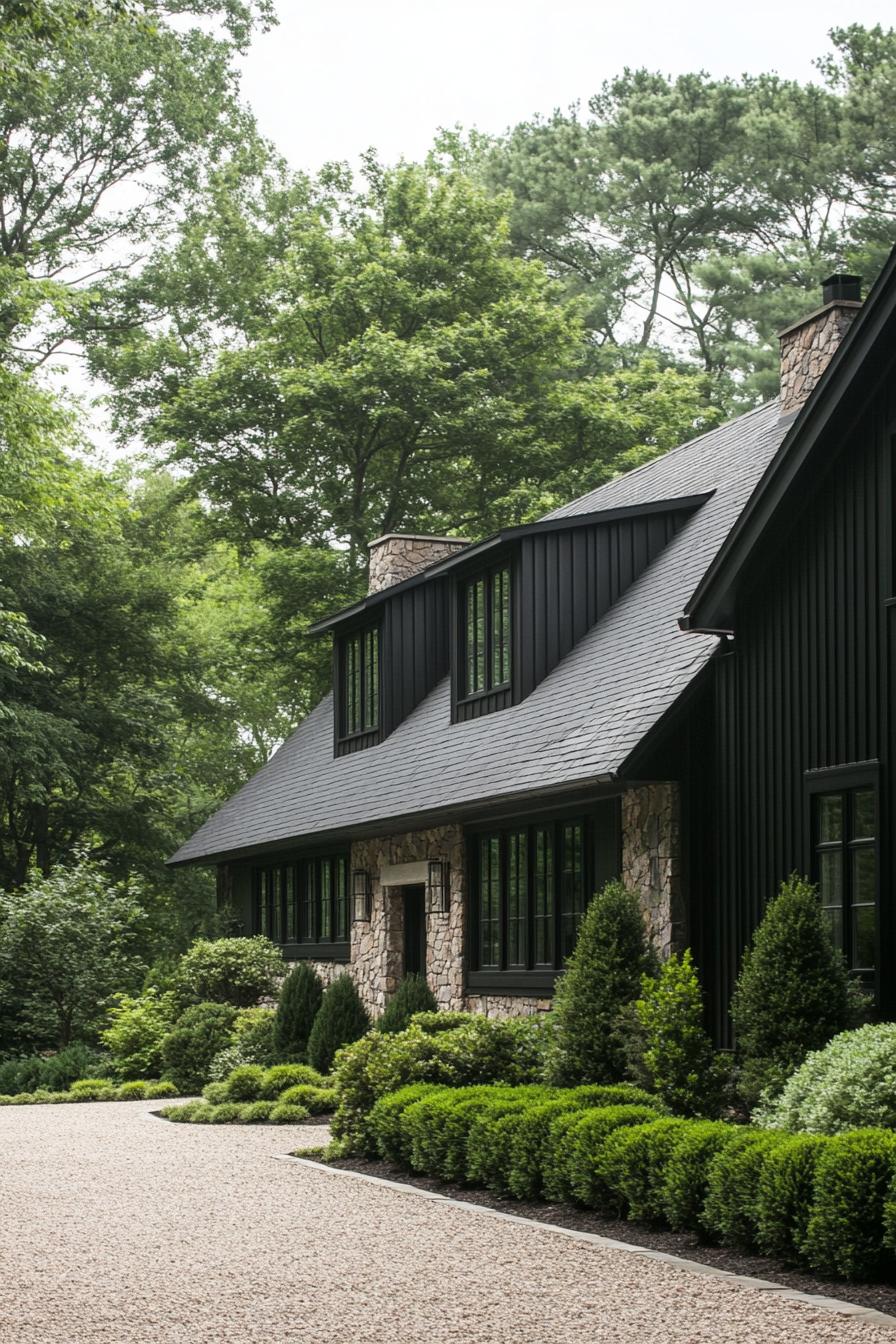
[486, 626]
[358, 683]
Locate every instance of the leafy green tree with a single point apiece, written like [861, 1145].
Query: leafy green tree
[238, 971]
[297, 1007]
[602, 976]
[68, 941]
[386, 362]
[793, 993]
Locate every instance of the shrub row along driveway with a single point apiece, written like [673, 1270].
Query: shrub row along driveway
[117, 1227]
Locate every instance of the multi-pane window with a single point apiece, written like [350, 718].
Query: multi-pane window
[486, 631]
[361, 682]
[846, 868]
[531, 889]
[303, 902]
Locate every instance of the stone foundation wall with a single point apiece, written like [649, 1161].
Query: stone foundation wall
[651, 861]
[506, 1005]
[377, 950]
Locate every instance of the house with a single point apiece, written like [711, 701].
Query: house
[682, 678]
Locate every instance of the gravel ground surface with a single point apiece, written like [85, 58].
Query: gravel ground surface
[116, 1227]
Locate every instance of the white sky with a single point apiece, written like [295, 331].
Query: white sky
[335, 78]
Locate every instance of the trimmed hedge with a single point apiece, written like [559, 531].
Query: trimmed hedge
[828, 1203]
[236, 1113]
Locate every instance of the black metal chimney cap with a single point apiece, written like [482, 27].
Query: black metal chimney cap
[847, 287]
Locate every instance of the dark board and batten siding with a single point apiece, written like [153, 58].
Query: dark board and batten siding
[563, 582]
[807, 686]
[413, 659]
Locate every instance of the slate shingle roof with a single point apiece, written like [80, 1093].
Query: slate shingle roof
[577, 727]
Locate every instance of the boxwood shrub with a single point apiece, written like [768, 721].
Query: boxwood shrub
[584, 1144]
[687, 1170]
[853, 1176]
[633, 1167]
[784, 1195]
[730, 1214]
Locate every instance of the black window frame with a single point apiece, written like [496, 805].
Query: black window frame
[496, 579]
[521, 963]
[356, 730]
[303, 904]
[846, 782]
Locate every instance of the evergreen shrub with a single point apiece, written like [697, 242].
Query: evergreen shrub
[387, 1138]
[603, 975]
[284, 1114]
[853, 1176]
[193, 1042]
[784, 1195]
[584, 1141]
[731, 1209]
[632, 1166]
[297, 1007]
[246, 1083]
[341, 1019]
[793, 993]
[316, 1100]
[412, 996]
[678, 1056]
[687, 1170]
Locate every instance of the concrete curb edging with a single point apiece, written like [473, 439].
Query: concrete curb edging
[831, 1304]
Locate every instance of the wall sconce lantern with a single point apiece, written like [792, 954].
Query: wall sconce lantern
[361, 894]
[438, 875]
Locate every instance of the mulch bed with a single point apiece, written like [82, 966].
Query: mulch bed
[878, 1296]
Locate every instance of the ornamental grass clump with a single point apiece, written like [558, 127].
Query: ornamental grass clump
[793, 993]
[602, 977]
[850, 1084]
[297, 1006]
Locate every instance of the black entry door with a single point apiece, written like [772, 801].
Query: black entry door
[414, 931]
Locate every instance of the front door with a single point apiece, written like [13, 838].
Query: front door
[414, 931]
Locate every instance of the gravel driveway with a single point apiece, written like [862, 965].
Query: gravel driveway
[118, 1227]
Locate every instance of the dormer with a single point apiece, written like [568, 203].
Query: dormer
[498, 615]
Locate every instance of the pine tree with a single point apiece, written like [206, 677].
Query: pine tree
[342, 1018]
[297, 1007]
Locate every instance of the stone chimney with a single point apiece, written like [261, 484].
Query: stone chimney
[398, 555]
[807, 346]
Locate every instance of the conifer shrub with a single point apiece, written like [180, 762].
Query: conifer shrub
[731, 1210]
[412, 996]
[687, 1170]
[632, 1166]
[846, 1229]
[341, 1019]
[297, 1007]
[197, 1036]
[132, 1091]
[603, 975]
[677, 1053]
[282, 1076]
[257, 1112]
[585, 1140]
[793, 993]
[784, 1195]
[216, 1093]
[228, 1113]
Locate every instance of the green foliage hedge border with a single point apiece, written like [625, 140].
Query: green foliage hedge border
[827, 1203]
[96, 1089]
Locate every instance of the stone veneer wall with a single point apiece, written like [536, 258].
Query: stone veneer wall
[397, 557]
[378, 946]
[651, 861]
[807, 348]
